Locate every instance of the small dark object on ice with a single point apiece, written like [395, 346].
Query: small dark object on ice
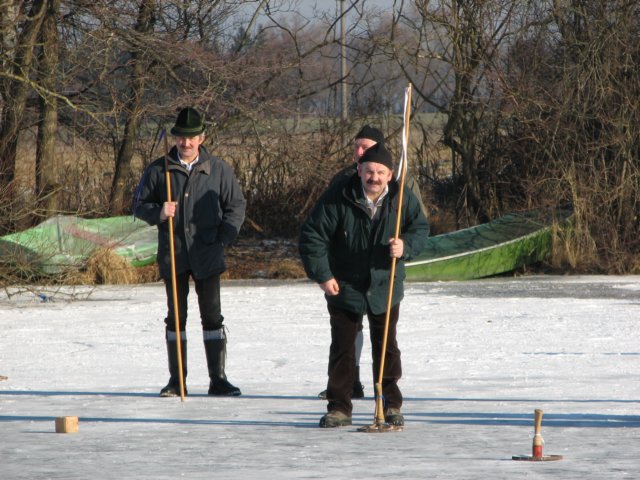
[531, 458]
[2, 377]
[381, 428]
[393, 422]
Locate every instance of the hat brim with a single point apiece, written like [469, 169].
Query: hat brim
[187, 132]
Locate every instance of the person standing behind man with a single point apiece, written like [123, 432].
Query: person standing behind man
[346, 246]
[367, 137]
[208, 209]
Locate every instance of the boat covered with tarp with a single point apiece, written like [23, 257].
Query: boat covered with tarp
[65, 241]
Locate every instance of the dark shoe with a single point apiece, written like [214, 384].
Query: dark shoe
[358, 392]
[222, 388]
[172, 389]
[358, 388]
[334, 419]
[393, 417]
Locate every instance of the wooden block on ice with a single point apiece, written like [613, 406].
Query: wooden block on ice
[67, 425]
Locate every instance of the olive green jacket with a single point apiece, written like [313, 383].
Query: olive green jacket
[339, 240]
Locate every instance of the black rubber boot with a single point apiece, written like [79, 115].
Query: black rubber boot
[173, 387]
[216, 351]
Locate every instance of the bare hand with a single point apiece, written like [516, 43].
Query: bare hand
[168, 210]
[330, 287]
[396, 248]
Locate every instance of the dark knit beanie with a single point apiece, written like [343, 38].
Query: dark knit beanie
[371, 133]
[377, 154]
[188, 124]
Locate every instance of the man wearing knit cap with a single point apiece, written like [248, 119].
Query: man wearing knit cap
[367, 137]
[346, 246]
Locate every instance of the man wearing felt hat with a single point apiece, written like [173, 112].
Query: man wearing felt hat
[346, 245]
[208, 209]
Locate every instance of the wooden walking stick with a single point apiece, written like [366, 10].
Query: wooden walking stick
[379, 424]
[172, 255]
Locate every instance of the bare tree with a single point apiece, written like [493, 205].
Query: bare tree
[134, 105]
[576, 111]
[46, 158]
[452, 59]
[17, 89]
[539, 100]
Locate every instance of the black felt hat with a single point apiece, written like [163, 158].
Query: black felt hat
[188, 124]
[377, 154]
[371, 133]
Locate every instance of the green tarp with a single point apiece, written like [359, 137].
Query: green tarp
[67, 241]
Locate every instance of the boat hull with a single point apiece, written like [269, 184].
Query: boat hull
[497, 247]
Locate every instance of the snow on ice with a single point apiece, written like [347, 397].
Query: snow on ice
[478, 358]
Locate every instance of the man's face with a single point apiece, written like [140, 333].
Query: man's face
[188, 147]
[360, 145]
[375, 177]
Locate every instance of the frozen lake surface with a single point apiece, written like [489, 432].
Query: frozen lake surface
[478, 358]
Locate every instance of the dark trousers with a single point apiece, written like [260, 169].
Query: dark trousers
[344, 327]
[208, 292]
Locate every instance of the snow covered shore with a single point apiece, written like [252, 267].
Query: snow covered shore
[478, 358]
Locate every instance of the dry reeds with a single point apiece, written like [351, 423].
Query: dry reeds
[286, 269]
[105, 267]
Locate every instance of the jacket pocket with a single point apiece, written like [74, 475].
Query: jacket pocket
[209, 236]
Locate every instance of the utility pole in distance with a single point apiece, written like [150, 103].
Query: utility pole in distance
[343, 64]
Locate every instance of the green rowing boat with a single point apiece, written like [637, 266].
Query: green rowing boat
[500, 246]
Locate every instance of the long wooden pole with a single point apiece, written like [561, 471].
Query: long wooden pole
[172, 255]
[379, 411]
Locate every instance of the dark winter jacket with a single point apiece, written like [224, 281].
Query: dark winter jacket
[339, 240]
[209, 214]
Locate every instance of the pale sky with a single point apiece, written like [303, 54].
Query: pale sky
[306, 7]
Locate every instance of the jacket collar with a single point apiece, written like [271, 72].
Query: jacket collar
[203, 165]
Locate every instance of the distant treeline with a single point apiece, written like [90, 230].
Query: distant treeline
[518, 104]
